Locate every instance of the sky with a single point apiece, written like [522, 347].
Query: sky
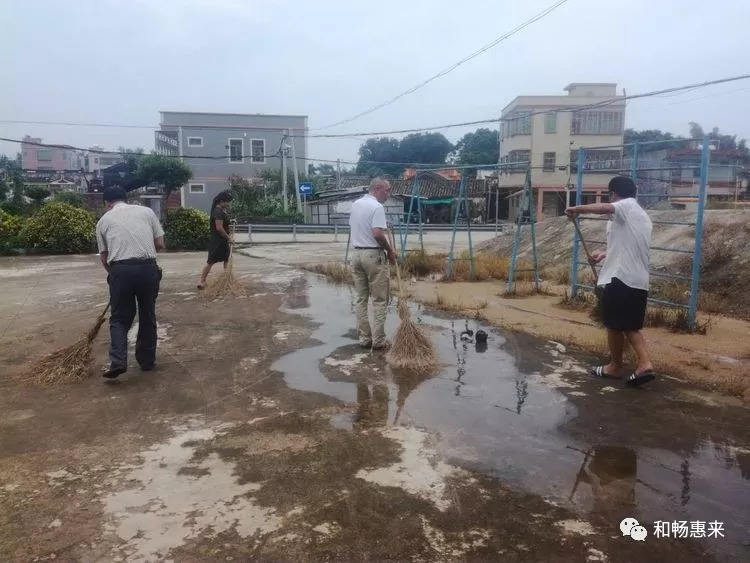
[122, 61]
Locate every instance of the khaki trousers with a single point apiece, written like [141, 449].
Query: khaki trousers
[371, 279]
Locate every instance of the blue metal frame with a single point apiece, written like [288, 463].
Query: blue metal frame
[527, 205]
[579, 198]
[462, 200]
[694, 279]
[698, 252]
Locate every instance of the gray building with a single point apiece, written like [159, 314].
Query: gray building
[219, 145]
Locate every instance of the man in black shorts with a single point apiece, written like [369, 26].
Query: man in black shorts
[624, 276]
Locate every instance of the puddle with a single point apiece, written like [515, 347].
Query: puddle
[510, 410]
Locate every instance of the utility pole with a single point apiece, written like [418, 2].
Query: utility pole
[283, 173]
[296, 178]
[338, 173]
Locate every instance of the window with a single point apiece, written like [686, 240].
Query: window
[258, 150]
[197, 188]
[519, 158]
[236, 150]
[519, 123]
[550, 122]
[195, 141]
[598, 160]
[596, 123]
[549, 162]
[43, 154]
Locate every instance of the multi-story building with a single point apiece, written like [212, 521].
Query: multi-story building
[97, 159]
[38, 158]
[546, 132]
[219, 145]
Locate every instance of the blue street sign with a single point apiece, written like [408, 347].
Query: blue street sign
[306, 188]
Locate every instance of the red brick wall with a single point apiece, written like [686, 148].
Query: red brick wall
[173, 201]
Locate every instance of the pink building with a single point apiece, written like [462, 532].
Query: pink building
[48, 159]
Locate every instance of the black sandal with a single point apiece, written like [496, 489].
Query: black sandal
[598, 371]
[637, 379]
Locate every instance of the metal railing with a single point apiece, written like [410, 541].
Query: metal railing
[254, 228]
[694, 278]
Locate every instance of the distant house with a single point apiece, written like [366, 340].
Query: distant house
[37, 158]
[677, 171]
[544, 132]
[219, 145]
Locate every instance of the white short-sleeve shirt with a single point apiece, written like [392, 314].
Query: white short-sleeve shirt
[128, 231]
[628, 242]
[367, 213]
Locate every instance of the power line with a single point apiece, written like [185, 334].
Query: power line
[454, 66]
[602, 103]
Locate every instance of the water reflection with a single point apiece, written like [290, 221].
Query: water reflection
[494, 411]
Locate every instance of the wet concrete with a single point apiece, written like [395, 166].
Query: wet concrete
[516, 411]
[267, 434]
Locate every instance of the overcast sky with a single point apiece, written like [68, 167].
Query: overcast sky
[121, 61]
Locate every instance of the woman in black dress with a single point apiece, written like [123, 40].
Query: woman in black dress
[218, 239]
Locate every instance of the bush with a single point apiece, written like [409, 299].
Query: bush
[59, 228]
[186, 229]
[71, 198]
[10, 227]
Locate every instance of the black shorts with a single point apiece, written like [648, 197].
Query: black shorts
[623, 307]
[218, 249]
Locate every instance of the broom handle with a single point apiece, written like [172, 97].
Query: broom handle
[398, 270]
[586, 250]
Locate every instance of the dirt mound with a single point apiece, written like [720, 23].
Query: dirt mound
[725, 261]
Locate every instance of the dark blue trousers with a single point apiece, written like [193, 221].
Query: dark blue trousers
[133, 286]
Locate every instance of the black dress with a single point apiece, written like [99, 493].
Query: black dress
[218, 246]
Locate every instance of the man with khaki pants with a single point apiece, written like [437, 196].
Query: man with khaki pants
[372, 252]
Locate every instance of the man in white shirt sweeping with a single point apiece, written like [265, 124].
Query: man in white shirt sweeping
[372, 253]
[129, 237]
[624, 276]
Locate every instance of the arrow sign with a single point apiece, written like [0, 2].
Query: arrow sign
[306, 188]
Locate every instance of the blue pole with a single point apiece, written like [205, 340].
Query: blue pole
[516, 242]
[408, 218]
[449, 264]
[465, 197]
[579, 199]
[419, 214]
[697, 252]
[532, 218]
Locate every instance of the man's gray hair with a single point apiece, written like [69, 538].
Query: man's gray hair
[376, 181]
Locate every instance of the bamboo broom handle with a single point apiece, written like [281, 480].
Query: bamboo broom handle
[398, 270]
[586, 250]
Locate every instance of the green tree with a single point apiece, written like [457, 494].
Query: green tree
[71, 198]
[389, 156]
[424, 148]
[380, 149]
[11, 178]
[37, 193]
[480, 147]
[171, 173]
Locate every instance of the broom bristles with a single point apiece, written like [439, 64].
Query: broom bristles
[66, 365]
[412, 349]
[226, 284]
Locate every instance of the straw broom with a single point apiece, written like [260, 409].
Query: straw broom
[226, 283]
[598, 292]
[412, 349]
[67, 365]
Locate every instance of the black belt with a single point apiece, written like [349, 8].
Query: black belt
[134, 261]
[369, 247]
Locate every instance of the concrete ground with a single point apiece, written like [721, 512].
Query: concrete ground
[265, 433]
